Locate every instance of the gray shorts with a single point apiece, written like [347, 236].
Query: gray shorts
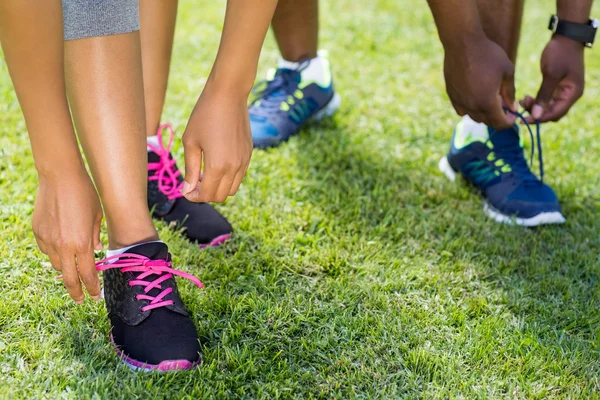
[90, 18]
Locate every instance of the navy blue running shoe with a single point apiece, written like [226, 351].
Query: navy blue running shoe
[291, 98]
[494, 162]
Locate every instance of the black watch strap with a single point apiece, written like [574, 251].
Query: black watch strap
[583, 33]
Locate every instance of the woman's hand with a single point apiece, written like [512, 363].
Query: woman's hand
[218, 133]
[66, 224]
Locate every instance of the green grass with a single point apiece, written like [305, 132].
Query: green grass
[357, 269]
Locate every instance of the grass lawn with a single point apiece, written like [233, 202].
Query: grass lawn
[357, 269]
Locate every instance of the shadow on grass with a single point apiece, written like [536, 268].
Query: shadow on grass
[547, 277]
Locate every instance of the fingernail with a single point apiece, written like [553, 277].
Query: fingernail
[537, 111]
[515, 106]
[96, 298]
[79, 301]
[186, 188]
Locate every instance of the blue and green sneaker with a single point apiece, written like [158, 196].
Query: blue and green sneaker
[494, 162]
[290, 98]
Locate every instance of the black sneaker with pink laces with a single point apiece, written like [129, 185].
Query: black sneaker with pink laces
[201, 222]
[151, 329]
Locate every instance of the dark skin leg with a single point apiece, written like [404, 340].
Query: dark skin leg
[501, 22]
[296, 28]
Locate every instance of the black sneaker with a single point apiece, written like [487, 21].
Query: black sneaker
[151, 330]
[203, 224]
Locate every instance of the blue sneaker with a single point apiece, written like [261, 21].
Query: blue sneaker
[493, 161]
[292, 97]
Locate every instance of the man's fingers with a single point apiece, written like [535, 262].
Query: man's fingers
[496, 117]
[544, 96]
[71, 278]
[527, 103]
[193, 166]
[88, 273]
[507, 90]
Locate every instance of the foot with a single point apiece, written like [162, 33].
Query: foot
[297, 93]
[151, 330]
[201, 222]
[493, 161]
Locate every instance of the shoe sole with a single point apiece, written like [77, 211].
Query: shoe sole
[216, 242]
[545, 218]
[327, 111]
[164, 366]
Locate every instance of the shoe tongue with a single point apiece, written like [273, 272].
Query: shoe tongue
[506, 138]
[153, 157]
[152, 250]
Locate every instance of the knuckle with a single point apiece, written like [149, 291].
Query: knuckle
[70, 283]
[185, 139]
[81, 247]
[88, 278]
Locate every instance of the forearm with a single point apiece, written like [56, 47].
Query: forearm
[457, 20]
[246, 25]
[574, 10]
[32, 39]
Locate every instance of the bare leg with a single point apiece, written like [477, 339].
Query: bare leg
[296, 27]
[501, 21]
[104, 83]
[157, 29]
[35, 62]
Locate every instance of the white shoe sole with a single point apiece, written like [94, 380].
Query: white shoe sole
[546, 218]
[330, 108]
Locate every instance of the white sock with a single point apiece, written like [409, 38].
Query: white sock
[153, 140]
[110, 253]
[318, 69]
[477, 130]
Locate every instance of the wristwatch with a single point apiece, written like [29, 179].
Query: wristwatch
[584, 33]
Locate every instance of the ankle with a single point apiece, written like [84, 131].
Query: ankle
[130, 230]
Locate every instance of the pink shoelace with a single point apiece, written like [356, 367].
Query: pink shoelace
[165, 172]
[136, 263]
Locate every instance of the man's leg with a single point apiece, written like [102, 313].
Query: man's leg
[302, 88]
[296, 27]
[494, 161]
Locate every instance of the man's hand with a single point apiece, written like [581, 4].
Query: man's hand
[66, 224]
[218, 133]
[563, 81]
[480, 80]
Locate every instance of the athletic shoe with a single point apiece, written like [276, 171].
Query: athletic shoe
[203, 224]
[292, 97]
[151, 329]
[494, 162]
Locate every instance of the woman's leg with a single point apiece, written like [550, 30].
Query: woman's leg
[149, 324]
[201, 222]
[104, 83]
[157, 23]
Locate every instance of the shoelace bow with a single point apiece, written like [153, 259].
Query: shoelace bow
[516, 155]
[165, 172]
[278, 89]
[147, 268]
